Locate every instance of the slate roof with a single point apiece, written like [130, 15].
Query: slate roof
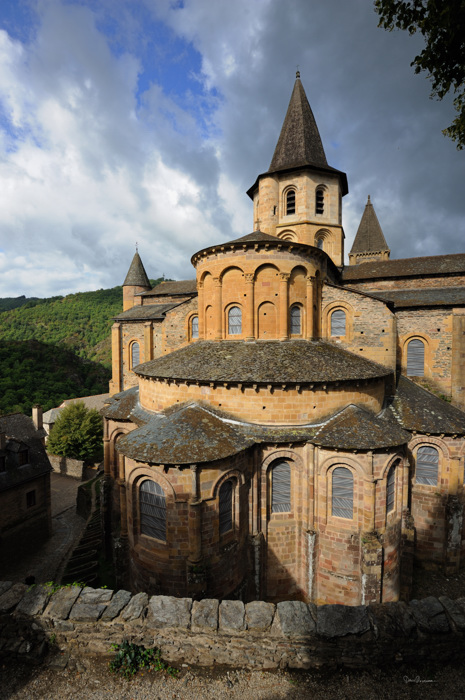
[355, 428]
[194, 432]
[406, 267]
[120, 406]
[20, 428]
[137, 275]
[181, 287]
[146, 312]
[272, 361]
[369, 237]
[418, 410]
[432, 296]
[185, 434]
[299, 144]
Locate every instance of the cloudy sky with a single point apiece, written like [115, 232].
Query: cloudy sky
[125, 121]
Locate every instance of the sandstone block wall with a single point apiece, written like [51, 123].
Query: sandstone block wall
[208, 632]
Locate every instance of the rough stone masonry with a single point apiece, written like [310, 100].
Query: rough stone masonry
[291, 634]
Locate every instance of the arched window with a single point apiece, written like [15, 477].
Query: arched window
[281, 488]
[226, 506]
[391, 488]
[416, 358]
[338, 322]
[135, 355]
[290, 202]
[427, 466]
[319, 244]
[234, 321]
[152, 504]
[343, 493]
[194, 327]
[296, 321]
[320, 201]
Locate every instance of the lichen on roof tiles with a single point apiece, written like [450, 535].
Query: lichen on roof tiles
[144, 313]
[418, 410]
[407, 267]
[355, 428]
[293, 361]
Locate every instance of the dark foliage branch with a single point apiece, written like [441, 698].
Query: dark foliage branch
[442, 24]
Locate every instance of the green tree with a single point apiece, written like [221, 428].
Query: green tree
[77, 433]
[442, 23]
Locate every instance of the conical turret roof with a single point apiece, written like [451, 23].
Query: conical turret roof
[137, 276]
[299, 142]
[370, 237]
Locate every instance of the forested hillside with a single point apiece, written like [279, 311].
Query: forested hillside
[57, 348]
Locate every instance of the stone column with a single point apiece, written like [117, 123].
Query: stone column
[116, 383]
[201, 310]
[371, 568]
[249, 320]
[458, 358]
[195, 518]
[407, 547]
[283, 305]
[217, 302]
[148, 341]
[454, 522]
[310, 303]
[122, 497]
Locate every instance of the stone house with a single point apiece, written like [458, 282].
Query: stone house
[269, 433]
[25, 502]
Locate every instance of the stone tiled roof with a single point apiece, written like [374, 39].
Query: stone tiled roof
[355, 428]
[369, 237]
[181, 287]
[137, 275]
[433, 296]
[275, 362]
[185, 434]
[96, 401]
[146, 312]
[406, 267]
[417, 410]
[121, 406]
[20, 428]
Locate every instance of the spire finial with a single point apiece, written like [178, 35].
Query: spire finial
[137, 245]
[297, 73]
[368, 199]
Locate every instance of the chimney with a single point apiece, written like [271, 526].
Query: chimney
[37, 417]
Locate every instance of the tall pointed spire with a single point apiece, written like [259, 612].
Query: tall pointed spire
[137, 276]
[299, 142]
[369, 243]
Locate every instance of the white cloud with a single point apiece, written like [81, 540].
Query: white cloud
[89, 164]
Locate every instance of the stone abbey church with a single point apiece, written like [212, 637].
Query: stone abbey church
[276, 429]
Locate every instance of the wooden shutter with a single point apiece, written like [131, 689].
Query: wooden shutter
[235, 321]
[152, 503]
[427, 466]
[135, 354]
[343, 493]
[290, 202]
[338, 322]
[281, 488]
[295, 321]
[391, 489]
[416, 358]
[225, 506]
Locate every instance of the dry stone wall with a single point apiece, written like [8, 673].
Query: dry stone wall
[207, 632]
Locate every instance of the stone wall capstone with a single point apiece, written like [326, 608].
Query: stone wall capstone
[290, 634]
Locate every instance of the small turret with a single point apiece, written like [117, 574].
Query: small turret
[136, 282]
[369, 243]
